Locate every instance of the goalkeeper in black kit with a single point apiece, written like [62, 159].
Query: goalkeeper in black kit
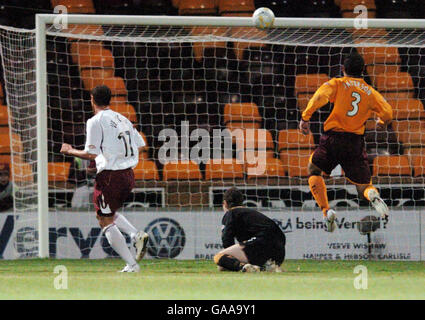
[261, 243]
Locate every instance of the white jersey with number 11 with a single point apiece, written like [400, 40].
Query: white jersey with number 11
[112, 137]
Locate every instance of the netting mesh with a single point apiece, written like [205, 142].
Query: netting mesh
[187, 90]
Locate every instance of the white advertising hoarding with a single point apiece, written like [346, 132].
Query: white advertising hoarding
[197, 235]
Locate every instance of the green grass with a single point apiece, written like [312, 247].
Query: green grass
[170, 279]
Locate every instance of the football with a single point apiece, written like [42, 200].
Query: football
[263, 18]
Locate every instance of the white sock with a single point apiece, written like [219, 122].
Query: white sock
[124, 225]
[117, 242]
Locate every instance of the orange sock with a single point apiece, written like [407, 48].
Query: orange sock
[318, 189]
[366, 191]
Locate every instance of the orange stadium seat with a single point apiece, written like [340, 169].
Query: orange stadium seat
[347, 8]
[397, 85]
[116, 84]
[305, 87]
[127, 110]
[221, 169]
[181, 170]
[79, 29]
[242, 115]
[145, 169]
[410, 132]
[414, 151]
[7, 146]
[418, 165]
[272, 168]
[91, 55]
[236, 7]
[75, 6]
[97, 74]
[247, 33]
[175, 3]
[258, 140]
[407, 109]
[380, 60]
[298, 164]
[145, 151]
[197, 7]
[293, 148]
[391, 166]
[199, 47]
[369, 35]
[22, 172]
[4, 120]
[59, 171]
[294, 139]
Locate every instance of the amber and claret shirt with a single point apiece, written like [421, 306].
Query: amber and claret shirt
[354, 102]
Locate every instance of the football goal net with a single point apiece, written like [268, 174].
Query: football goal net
[218, 103]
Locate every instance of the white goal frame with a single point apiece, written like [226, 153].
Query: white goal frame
[41, 73]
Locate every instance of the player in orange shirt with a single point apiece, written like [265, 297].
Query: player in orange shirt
[354, 101]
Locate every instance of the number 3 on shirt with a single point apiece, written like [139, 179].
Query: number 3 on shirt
[125, 136]
[354, 104]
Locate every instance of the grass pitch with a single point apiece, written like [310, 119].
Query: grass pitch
[176, 280]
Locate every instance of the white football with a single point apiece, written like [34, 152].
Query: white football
[263, 18]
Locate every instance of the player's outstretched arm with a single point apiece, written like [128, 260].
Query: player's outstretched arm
[320, 98]
[68, 150]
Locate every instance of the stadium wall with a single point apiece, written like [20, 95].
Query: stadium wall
[196, 235]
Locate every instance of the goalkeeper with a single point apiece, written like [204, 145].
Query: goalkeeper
[343, 142]
[261, 242]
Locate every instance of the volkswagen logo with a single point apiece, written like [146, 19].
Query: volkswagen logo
[166, 238]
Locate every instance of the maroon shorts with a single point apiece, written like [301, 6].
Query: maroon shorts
[111, 189]
[346, 149]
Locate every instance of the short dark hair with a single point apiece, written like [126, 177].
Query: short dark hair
[233, 197]
[101, 95]
[354, 65]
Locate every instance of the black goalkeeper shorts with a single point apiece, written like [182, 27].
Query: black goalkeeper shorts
[260, 249]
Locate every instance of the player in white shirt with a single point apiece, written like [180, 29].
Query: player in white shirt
[114, 144]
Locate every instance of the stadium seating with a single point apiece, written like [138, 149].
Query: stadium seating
[407, 109]
[293, 139]
[294, 150]
[347, 8]
[255, 140]
[75, 6]
[87, 29]
[298, 164]
[200, 47]
[7, 145]
[305, 87]
[181, 170]
[145, 169]
[391, 166]
[418, 165]
[145, 151]
[91, 55]
[268, 167]
[197, 7]
[410, 132]
[4, 119]
[395, 85]
[59, 171]
[242, 115]
[222, 169]
[236, 7]
[247, 33]
[127, 110]
[380, 60]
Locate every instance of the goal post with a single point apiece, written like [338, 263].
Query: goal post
[156, 30]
